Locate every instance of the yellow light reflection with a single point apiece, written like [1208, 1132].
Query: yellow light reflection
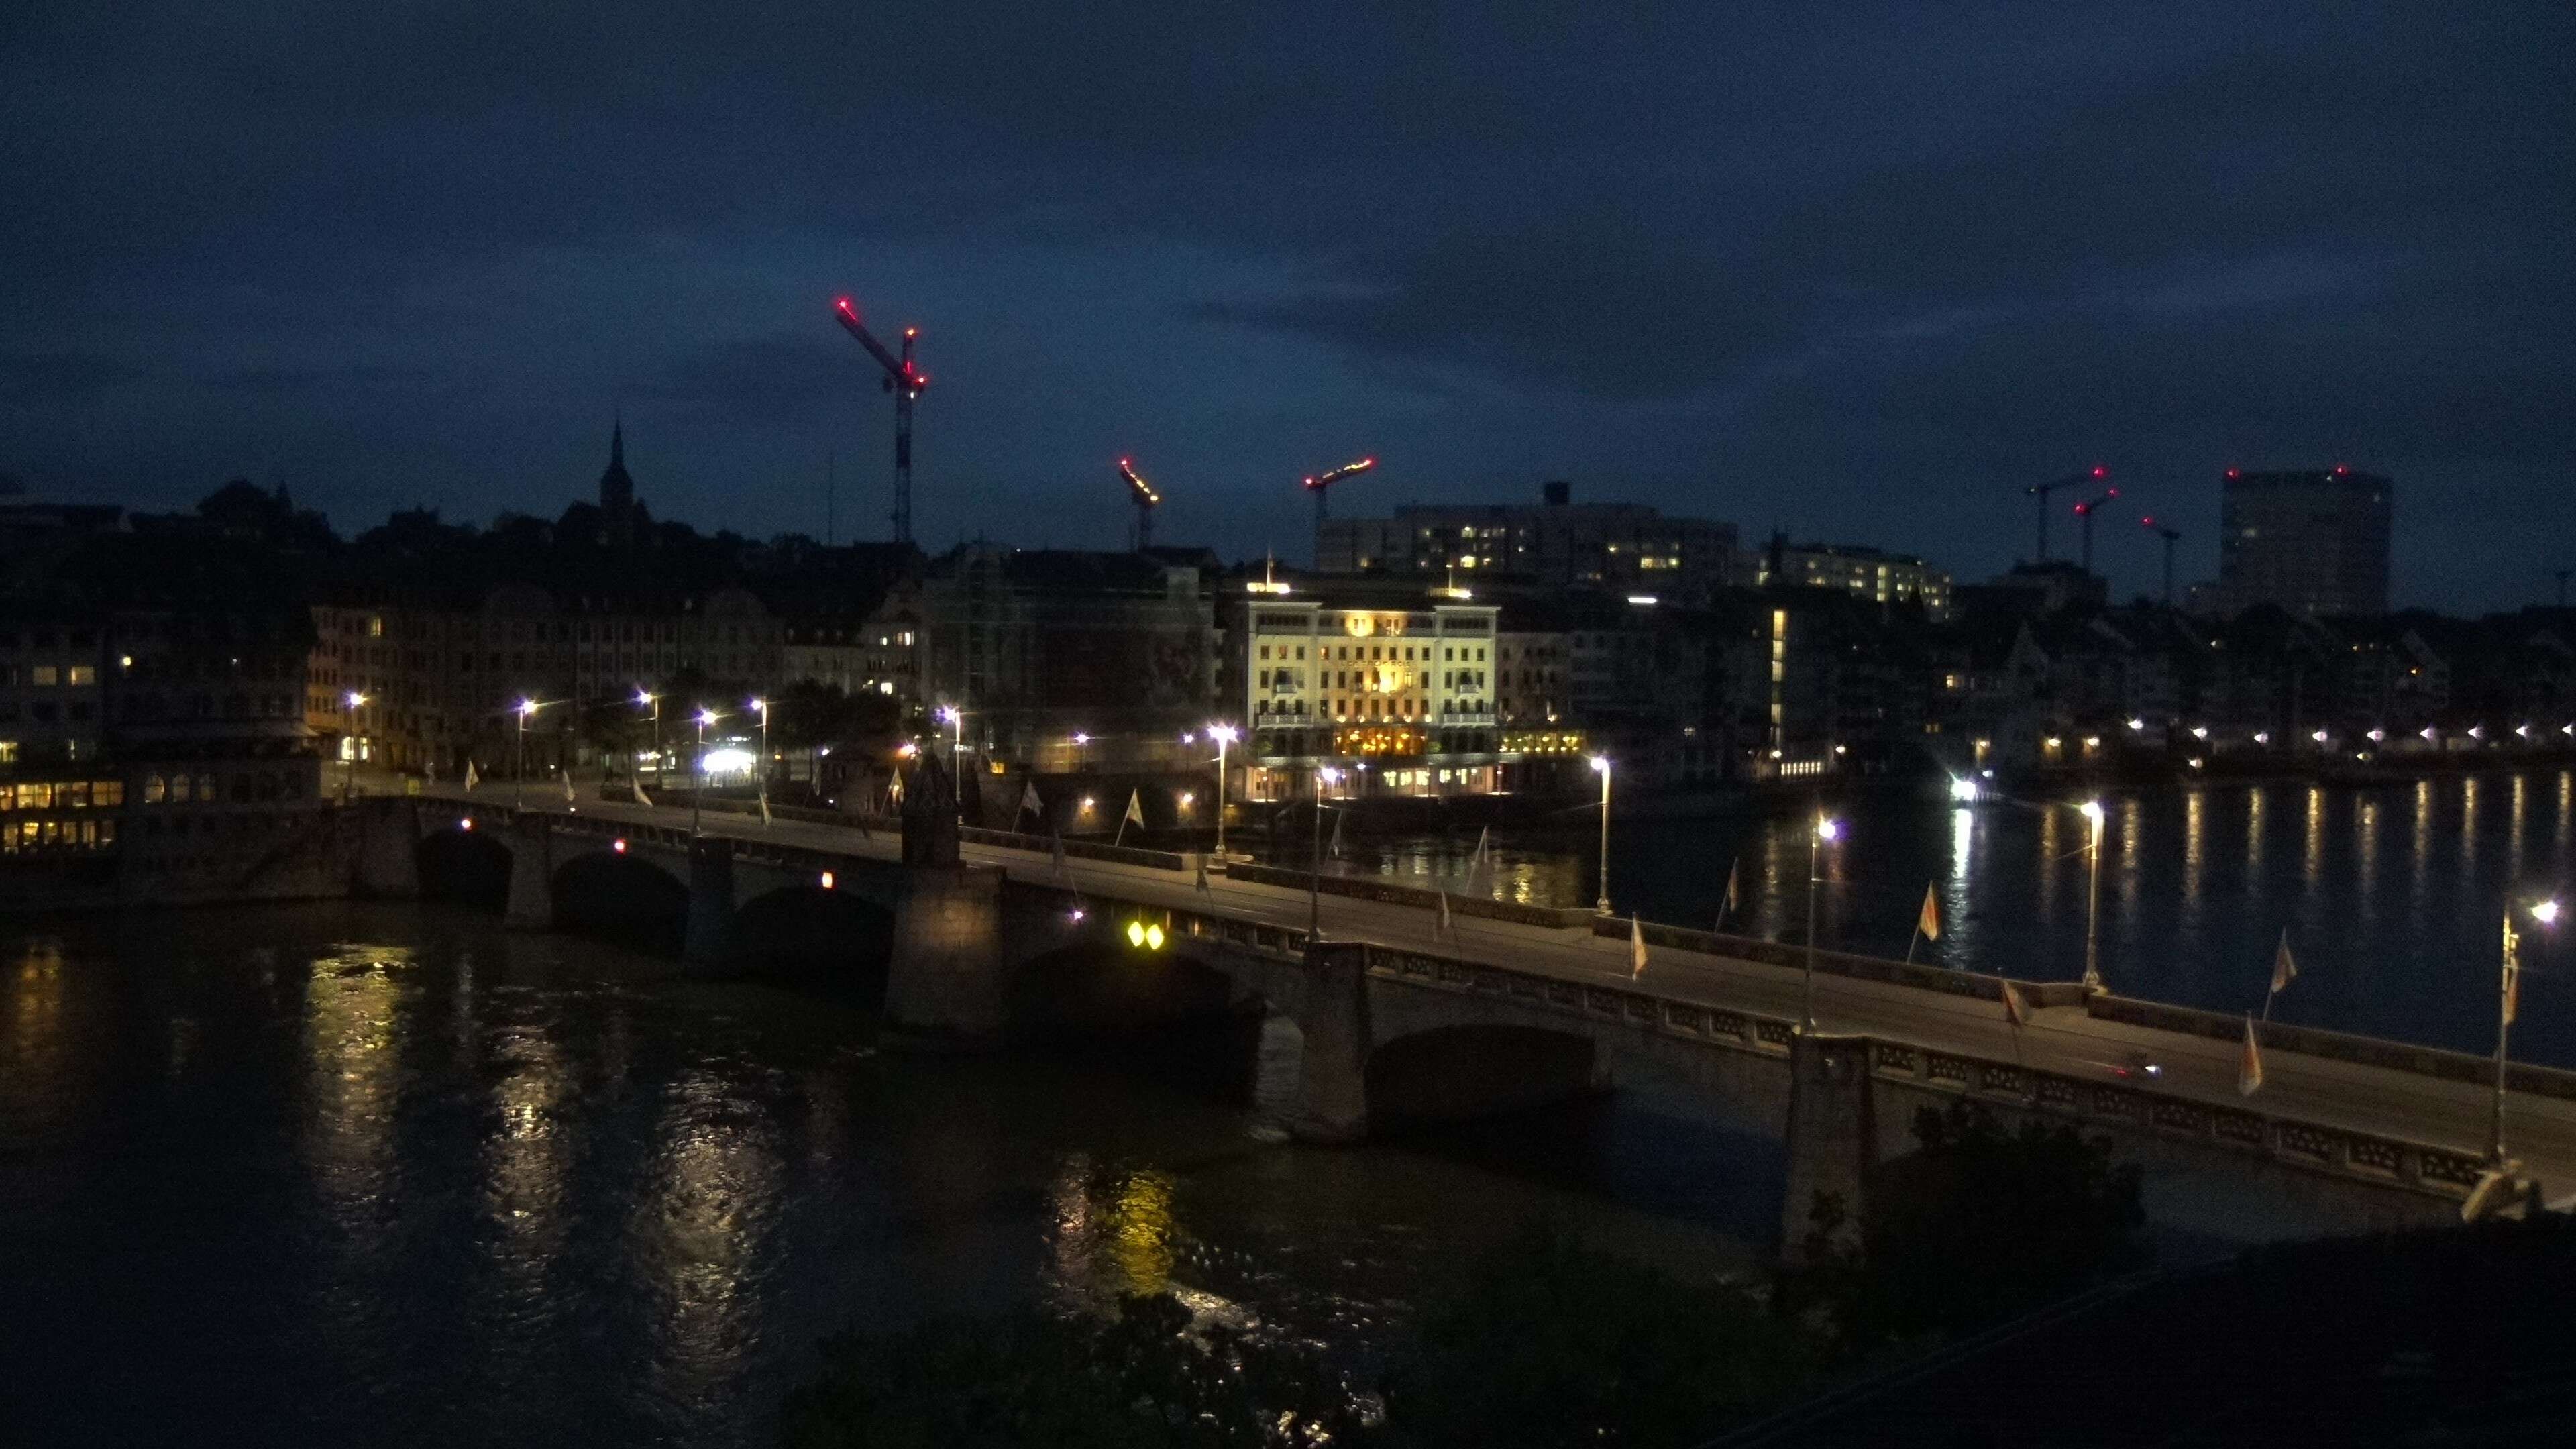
[2313, 840]
[2195, 849]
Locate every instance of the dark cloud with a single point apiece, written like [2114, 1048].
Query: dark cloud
[1812, 265]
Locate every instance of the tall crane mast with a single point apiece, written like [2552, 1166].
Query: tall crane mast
[2041, 491]
[1320, 483]
[2171, 536]
[1146, 500]
[2085, 511]
[905, 381]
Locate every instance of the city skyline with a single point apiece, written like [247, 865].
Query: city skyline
[1783, 274]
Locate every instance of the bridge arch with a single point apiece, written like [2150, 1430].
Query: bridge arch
[1484, 1069]
[1096, 981]
[622, 898]
[468, 867]
[836, 939]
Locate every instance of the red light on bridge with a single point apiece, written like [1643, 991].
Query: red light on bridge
[621, 845]
[467, 823]
[827, 880]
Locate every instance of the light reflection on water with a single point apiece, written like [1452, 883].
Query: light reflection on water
[2389, 893]
[414, 1180]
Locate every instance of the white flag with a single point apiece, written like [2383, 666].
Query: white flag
[569, 797]
[1135, 810]
[1636, 949]
[2013, 1010]
[2284, 970]
[1030, 804]
[1445, 928]
[1728, 909]
[1337, 834]
[764, 807]
[637, 786]
[2249, 1070]
[1483, 859]
[470, 776]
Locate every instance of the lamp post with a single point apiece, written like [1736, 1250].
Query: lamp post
[1601, 765]
[955, 718]
[1324, 775]
[1081, 742]
[645, 699]
[1223, 734]
[2093, 900]
[762, 705]
[519, 770]
[2508, 990]
[698, 771]
[1826, 828]
[349, 779]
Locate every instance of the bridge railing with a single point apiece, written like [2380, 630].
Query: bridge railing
[2008, 1086]
[1920, 976]
[1373, 888]
[1077, 849]
[2340, 1046]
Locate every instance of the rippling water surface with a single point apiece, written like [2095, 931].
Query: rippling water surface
[2389, 894]
[390, 1175]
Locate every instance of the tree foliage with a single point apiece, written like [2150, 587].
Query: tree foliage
[1983, 1224]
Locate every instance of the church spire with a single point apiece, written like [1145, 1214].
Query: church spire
[617, 490]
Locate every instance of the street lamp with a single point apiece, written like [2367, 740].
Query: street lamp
[519, 771]
[1827, 829]
[2508, 991]
[1601, 766]
[1224, 735]
[2093, 899]
[698, 770]
[1324, 775]
[951, 716]
[646, 699]
[1081, 741]
[349, 780]
[762, 705]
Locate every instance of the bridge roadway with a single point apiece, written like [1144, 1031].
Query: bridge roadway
[2438, 1112]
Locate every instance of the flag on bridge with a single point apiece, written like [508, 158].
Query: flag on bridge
[1726, 909]
[2249, 1069]
[470, 777]
[1445, 928]
[637, 786]
[1928, 920]
[1483, 859]
[2014, 1012]
[1030, 804]
[569, 797]
[1337, 833]
[1636, 949]
[1135, 814]
[764, 808]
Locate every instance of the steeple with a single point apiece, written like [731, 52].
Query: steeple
[617, 490]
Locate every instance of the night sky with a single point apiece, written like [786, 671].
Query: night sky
[1858, 271]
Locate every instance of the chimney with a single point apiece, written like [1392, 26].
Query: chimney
[1557, 491]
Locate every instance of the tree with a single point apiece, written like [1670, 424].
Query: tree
[1553, 1343]
[1981, 1225]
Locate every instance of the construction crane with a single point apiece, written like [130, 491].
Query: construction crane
[2171, 536]
[2085, 510]
[2041, 491]
[906, 382]
[1146, 499]
[1318, 484]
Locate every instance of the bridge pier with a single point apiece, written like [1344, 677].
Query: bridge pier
[388, 855]
[1332, 1083]
[1833, 1141]
[531, 905]
[947, 974]
[707, 948]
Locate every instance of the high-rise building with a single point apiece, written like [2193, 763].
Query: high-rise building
[2313, 541]
[1626, 546]
[1869, 573]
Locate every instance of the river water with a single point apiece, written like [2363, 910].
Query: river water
[386, 1174]
[2390, 895]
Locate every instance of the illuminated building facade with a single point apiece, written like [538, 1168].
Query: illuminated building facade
[1617, 546]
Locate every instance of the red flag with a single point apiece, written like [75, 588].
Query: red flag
[1929, 922]
[1636, 949]
[2013, 1010]
[2284, 970]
